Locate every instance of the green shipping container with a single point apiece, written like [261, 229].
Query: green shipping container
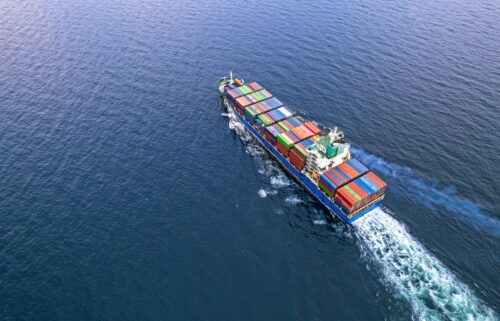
[266, 120]
[245, 89]
[251, 112]
[284, 126]
[260, 96]
[326, 191]
[353, 193]
[300, 150]
[285, 140]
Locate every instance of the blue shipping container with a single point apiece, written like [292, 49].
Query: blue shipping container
[358, 166]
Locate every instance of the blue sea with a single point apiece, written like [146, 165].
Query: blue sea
[128, 193]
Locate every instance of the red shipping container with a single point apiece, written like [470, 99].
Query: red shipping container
[270, 137]
[297, 160]
[255, 86]
[348, 197]
[342, 200]
[312, 127]
[281, 148]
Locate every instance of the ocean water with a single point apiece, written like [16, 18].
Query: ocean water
[128, 193]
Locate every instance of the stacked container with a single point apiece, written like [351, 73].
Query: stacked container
[285, 142]
[360, 192]
[274, 116]
[253, 98]
[312, 127]
[298, 154]
[255, 86]
[232, 94]
[272, 132]
[336, 177]
[252, 111]
[290, 123]
[302, 132]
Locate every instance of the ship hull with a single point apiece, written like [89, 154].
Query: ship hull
[307, 183]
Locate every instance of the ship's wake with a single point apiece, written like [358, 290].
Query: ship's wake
[428, 192]
[413, 273]
[408, 269]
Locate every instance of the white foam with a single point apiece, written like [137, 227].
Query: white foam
[280, 180]
[265, 192]
[293, 200]
[262, 193]
[415, 274]
[319, 222]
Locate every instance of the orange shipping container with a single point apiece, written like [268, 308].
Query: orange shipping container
[377, 180]
[312, 127]
[346, 168]
[302, 132]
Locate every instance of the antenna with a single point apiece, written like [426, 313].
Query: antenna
[231, 75]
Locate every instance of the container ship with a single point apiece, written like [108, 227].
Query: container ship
[317, 157]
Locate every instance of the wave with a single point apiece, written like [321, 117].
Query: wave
[429, 193]
[412, 272]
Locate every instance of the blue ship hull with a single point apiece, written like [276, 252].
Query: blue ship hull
[301, 178]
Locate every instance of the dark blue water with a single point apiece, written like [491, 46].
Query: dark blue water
[126, 195]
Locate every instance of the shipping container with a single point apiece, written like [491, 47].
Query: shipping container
[266, 120]
[290, 123]
[272, 132]
[326, 188]
[255, 86]
[312, 127]
[296, 159]
[274, 116]
[273, 103]
[235, 93]
[286, 141]
[358, 166]
[360, 192]
[302, 132]
[381, 184]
